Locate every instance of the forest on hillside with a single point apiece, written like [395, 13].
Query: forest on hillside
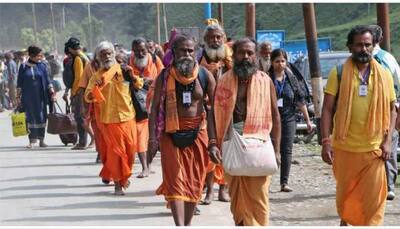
[121, 22]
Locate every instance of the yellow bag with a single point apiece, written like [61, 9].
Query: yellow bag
[19, 124]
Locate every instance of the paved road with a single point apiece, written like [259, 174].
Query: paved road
[57, 186]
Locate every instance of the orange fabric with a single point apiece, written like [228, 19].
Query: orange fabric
[258, 122]
[171, 114]
[101, 146]
[218, 172]
[142, 130]
[379, 110]
[361, 187]
[249, 199]
[88, 72]
[121, 148]
[184, 170]
[151, 71]
[213, 67]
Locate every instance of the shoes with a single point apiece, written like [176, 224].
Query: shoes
[285, 188]
[105, 181]
[78, 147]
[118, 190]
[390, 195]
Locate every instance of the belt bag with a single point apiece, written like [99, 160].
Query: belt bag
[184, 138]
[252, 157]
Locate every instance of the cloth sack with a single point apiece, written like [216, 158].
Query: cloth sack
[252, 157]
[19, 127]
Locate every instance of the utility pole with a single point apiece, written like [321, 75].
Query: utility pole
[382, 10]
[310, 27]
[63, 17]
[54, 28]
[34, 22]
[158, 24]
[165, 22]
[90, 27]
[221, 14]
[251, 20]
[207, 10]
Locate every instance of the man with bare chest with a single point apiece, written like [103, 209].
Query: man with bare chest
[178, 123]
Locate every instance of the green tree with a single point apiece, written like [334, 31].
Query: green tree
[27, 37]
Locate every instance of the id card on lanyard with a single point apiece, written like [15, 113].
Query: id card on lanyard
[363, 88]
[279, 88]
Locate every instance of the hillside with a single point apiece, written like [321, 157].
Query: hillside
[124, 21]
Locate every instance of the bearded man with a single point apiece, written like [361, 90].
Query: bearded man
[178, 123]
[217, 58]
[147, 68]
[245, 102]
[361, 107]
[110, 91]
[264, 56]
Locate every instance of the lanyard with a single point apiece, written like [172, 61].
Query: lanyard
[365, 76]
[280, 86]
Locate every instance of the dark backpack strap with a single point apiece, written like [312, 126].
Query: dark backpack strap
[203, 78]
[339, 69]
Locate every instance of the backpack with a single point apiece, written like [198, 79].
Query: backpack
[68, 73]
[302, 84]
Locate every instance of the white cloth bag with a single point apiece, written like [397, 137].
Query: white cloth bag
[252, 157]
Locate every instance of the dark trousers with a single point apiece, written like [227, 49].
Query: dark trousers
[76, 106]
[391, 164]
[287, 138]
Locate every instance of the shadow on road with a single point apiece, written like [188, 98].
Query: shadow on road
[300, 198]
[80, 218]
[49, 178]
[301, 219]
[123, 204]
[50, 187]
[48, 165]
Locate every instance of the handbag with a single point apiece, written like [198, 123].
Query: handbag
[18, 120]
[139, 103]
[184, 138]
[59, 123]
[252, 157]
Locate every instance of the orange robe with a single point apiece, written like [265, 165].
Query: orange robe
[184, 170]
[249, 195]
[151, 72]
[361, 187]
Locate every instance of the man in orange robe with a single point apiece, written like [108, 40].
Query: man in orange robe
[363, 123]
[245, 100]
[177, 122]
[217, 58]
[148, 69]
[110, 91]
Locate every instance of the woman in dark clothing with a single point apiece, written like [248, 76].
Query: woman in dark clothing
[289, 98]
[35, 92]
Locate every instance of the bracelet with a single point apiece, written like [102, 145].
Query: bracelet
[326, 141]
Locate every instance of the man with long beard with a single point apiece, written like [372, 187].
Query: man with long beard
[360, 108]
[148, 69]
[217, 58]
[245, 102]
[110, 91]
[264, 56]
[178, 123]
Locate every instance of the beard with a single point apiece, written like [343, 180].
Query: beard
[244, 69]
[185, 65]
[107, 63]
[141, 62]
[361, 57]
[215, 54]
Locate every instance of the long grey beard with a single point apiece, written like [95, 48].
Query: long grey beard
[244, 69]
[215, 54]
[185, 65]
[107, 64]
[141, 62]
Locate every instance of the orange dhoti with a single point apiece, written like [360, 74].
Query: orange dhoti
[249, 199]
[218, 172]
[361, 187]
[184, 169]
[120, 149]
[142, 130]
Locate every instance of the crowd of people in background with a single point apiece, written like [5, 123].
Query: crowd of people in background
[186, 99]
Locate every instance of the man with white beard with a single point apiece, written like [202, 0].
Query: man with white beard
[217, 58]
[109, 89]
[147, 68]
[264, 56]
